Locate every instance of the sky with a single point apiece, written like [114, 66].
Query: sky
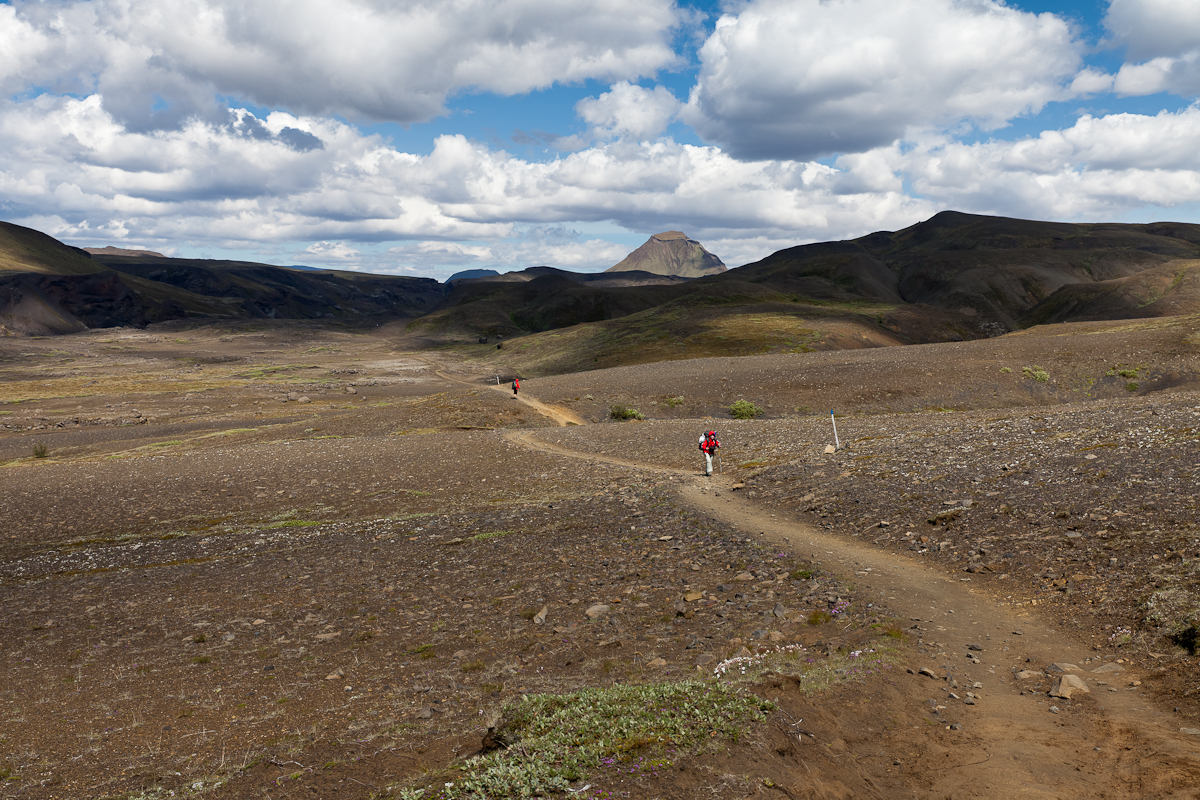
[424, 138]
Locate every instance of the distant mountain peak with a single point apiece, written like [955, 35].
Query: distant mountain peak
[121, 251]
[671, 253]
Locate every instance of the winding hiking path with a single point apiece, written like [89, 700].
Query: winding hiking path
[561, 416]
[1111, 743]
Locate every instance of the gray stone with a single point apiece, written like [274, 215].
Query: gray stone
[926, 671]
[1067, 685]
[540, 617]
[976, 647]
[1190, 731]
[779, 610]
[707, 658]
[596, 611]
[1026, 674]
[1108, 669]
[1062, 666]
[1053, 709]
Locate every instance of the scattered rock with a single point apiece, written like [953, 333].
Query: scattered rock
[691, 597]
[1108, 669]
[1053, 709]
[1068, 685]
[1062, 666]
[927, 672]
[596, 611]
[658, 662]
[540, 617]
[337, 673]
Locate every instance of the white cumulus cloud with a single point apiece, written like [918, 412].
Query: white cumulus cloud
[804, 78]
[160, 63]
[1097, 169]
[629, 110]
[1162, 46]
[332, 252]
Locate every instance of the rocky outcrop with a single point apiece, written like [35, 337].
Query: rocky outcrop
[672, 253]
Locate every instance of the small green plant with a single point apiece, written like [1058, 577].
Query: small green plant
[1131, 387]
[1036, 373]
[201, 660]
[39, 450]
[199, 638]
[473, 666]
[744, 409]
[566, 738]
[620, 412]
[672, 402]
[487, 537]
[819, 617]
[1006, 370]
[802, 574]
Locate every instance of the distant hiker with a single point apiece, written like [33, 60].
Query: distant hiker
[516, 386]
[709, 445]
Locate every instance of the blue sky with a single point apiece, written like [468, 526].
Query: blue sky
[408, 139]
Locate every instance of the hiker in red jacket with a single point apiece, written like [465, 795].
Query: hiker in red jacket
[709, 445]
[516, 386]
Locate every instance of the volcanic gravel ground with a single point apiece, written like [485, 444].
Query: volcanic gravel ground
[295, 563]
[1088, 509]
[178, 661]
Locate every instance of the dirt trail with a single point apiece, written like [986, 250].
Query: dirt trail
[1112, 743]
[561, 416]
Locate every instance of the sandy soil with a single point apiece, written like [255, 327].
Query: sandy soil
[295, 562]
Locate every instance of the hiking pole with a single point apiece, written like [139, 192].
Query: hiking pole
[720, 465]
[836, 444]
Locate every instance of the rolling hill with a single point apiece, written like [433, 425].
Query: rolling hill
[953, 277]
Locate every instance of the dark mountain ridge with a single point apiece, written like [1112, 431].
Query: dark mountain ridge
[953, 276]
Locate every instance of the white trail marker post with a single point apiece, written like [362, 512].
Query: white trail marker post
[836, 444]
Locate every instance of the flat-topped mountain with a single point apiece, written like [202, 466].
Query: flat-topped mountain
[120, 251]
[671, 253]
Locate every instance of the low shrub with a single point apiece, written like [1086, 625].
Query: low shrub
[1036, 373]
[744, 409]
[620, 412]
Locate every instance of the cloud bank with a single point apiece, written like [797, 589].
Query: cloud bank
[816, 120]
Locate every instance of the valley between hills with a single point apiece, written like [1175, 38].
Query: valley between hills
[288, 558]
